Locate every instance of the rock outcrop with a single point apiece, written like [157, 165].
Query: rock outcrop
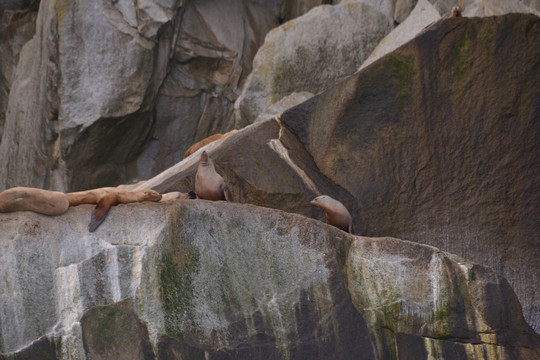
[446, 157]
[122, 89]
[216, 280]
[452, 166]
[310, 53]
[262, 164]
[17, 26]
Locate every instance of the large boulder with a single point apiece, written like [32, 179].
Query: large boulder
[84, 105]
[446, 157]
[309, 54]
[214, 280]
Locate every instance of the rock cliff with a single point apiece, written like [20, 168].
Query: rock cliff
[435, 141]
[213, 280]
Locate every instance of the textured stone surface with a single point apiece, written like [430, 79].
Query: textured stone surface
[214, 48]
[115, 80]
[423, 15]
[310, 53]
[115, 332]
[17, 26]
[499, 7]
[440, 302]
[264, 165]
[219, 280]
[445, 157]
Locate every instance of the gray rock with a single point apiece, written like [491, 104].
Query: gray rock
[310, 53]
[423, 15]
[236, 281]
[262, 164]
[123, 88]
[214, 48]
[498, 7]
[387, 7]
[431, 155]
[402, 9]
[16, 28]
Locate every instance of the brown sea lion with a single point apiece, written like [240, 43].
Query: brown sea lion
[172, 196]
[206, 141]
[209, 185]
[336, 213]
[106, 197]
[456, 10]
[32, 199]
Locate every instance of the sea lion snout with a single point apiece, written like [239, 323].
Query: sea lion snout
[152, 195]
[204, 156]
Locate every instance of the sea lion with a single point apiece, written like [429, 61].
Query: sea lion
[336, 213]
[106, 197]
[206, 141]
[209, 185]
[32, 199]
[172, 196]
[456, 10]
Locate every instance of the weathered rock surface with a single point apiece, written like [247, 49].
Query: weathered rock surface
[446, 157]
[425, 14]
[310, 53]
[215, 280]
[123, 89]
[500, 7]
[17, 26]
[422, 15]
[262, 164]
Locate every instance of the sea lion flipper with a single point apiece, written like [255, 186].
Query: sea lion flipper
[226, 193]
[100, 212]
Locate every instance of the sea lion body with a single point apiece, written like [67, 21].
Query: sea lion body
[336, 213]
[173, 196]
[209, 185]
[32, 199]
[193, 148]
[106, 197]
[202, 143]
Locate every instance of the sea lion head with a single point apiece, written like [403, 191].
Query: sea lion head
[320, 201]
[204, 157]
[151, 195]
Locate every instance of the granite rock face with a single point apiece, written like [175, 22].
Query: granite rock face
[215, 280]
[121, 89]
[446, 157]
[17, 26]
[310, 53]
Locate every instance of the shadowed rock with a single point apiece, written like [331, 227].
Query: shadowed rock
[445, 157]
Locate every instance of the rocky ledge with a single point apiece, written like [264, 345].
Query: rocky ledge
[215, 280]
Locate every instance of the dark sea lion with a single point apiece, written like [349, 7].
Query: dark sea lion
[209, 185]
[336, 213]
[32, 199]
[106, 197]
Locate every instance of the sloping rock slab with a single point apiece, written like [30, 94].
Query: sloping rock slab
[438, 142]
[263, 164]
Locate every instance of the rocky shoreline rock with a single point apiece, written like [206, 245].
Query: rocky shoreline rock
[216, 280]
